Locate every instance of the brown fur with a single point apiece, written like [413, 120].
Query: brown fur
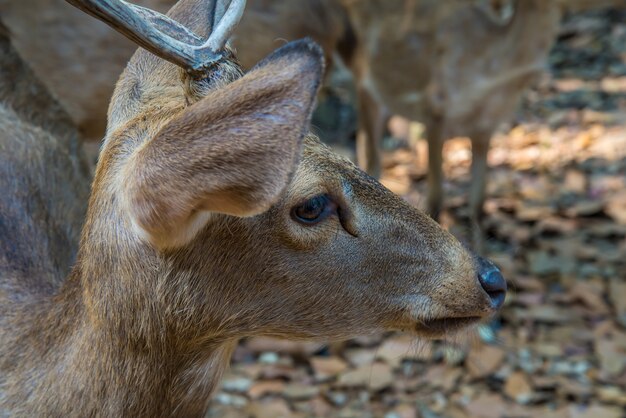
[268, 24]
[43, 170]
[146, 322]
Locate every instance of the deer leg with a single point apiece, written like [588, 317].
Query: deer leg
[434, 135]
[480, 146]
[370, 133]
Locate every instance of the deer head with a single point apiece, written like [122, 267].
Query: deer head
[215, 215]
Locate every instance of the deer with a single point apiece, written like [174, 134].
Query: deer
[214, 215]
[44, 170]
[459, 67]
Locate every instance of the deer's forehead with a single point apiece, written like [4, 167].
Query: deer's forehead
[323, 171]
[320, 163]
[318, 157]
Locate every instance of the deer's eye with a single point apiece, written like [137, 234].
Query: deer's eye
[314, 210]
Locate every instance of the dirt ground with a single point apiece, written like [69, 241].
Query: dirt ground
[556, 220]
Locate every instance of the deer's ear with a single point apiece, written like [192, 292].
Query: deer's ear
[233, 152]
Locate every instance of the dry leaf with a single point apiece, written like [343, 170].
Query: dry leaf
[327, 367]
[376, 377]
[518, 388]
[483, 361]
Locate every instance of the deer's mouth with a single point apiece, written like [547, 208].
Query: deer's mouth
[440, 327]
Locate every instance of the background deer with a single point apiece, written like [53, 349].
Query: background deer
[213, 216]
[44, 178]
[460, 67]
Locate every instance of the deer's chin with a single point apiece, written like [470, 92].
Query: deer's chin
[443, 327]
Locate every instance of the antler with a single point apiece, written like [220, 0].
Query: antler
[163, 36]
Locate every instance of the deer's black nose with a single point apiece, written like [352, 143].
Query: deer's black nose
[492, 281]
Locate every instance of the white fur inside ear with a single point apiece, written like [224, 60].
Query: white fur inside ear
[184, 234]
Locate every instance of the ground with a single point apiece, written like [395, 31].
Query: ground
[556, 220]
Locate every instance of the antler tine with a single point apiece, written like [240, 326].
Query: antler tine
[144, 27]
[222, 31]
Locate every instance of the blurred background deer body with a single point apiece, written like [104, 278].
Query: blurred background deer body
[268, 24]
[213, 216]
[78, 60]
[460, 67]
[43, 168]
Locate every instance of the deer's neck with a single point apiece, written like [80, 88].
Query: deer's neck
[73, 363]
